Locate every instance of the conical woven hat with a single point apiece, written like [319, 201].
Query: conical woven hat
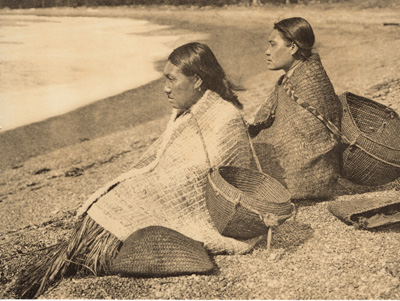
[160, 251]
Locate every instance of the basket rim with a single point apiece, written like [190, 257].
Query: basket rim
[374, 155]
[214, 172]
[347, 93]
[345, 103]
[357, 141]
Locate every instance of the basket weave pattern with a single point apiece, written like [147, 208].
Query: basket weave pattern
[159, 251]
[298, 150]
[238, 199]
[170, 191]
[374, 129]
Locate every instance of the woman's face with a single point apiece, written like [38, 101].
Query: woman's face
[181, 90]
[279, 52]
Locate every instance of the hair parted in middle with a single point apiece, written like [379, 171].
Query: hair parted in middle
[297, 30]
[198, 59]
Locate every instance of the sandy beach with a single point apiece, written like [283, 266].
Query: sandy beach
[53, 65]
[48, 169]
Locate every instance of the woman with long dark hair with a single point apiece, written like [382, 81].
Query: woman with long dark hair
[168, 186]
[197, 59]
[291, 142]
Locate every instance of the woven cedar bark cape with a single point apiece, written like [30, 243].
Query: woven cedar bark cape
[297, 149]
[168, 188]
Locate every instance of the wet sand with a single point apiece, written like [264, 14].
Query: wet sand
[52, 65]
[318, 257]
[135, 106]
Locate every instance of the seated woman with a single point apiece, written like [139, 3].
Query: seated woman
[167, 188]
[293, 145]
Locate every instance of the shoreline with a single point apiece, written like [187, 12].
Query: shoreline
[124, 110]
[239, 47]
[54, 65]
[313, 255]
[103, 117]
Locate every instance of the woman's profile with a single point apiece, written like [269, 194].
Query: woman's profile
[167, 188]
[292, 144]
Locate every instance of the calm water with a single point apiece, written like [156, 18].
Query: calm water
[51, 65]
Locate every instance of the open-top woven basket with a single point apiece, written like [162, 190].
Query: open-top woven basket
[244, 202]
[373, 156]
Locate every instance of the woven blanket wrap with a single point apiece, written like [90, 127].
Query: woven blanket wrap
[297, 149]
[169, 187]
[367, 211]
[159, 251]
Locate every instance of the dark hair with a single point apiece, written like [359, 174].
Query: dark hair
[300, 32]
[198, 59]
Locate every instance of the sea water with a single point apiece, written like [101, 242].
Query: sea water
[52, 65]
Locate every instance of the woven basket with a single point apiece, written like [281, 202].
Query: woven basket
[160, 251]
[242, 202]
[373, 156]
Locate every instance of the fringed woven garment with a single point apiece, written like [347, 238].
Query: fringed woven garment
[167, 189]
[295, 147]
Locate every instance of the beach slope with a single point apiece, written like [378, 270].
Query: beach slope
[314, 256]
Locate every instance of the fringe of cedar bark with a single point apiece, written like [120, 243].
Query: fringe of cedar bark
[91, 248]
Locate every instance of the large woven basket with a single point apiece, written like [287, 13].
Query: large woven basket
[373, 156]
[242, 202]
[160, 251]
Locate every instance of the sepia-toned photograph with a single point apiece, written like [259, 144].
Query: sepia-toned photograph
[200, 149]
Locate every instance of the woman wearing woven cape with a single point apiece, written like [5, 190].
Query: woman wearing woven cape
[167, 187]
[293, 145]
